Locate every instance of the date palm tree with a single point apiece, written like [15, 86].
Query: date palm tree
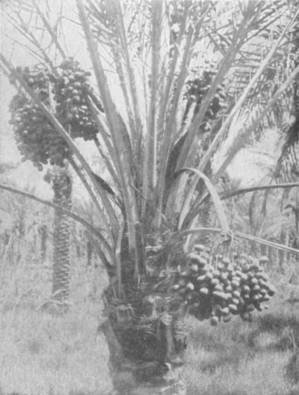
[157, 146]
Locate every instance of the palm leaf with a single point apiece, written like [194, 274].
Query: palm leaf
[223, 130]
[254, 122]
[150, 148]
[72, 215]
[219, 208]
[230, 194]
[239, 235]
[116, 125]
[187, 152]
[84, 181]
[171, 166]
[49, 29]
[235, 46]
[169, 136]
[242, 99]
[287, 160]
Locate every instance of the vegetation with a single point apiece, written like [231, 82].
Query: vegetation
[185, 73]
[66, 355]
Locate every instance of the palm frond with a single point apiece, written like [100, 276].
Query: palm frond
[286, 166]
[84, 181]
[255, 121]
[49, 29]
[242, 98]
[168, 138]
[236, 43]
[241, 191]
[150, 146]
[74, 216]
[116, 127]
[219, 208]
[240, 235]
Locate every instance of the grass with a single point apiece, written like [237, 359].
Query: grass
[44, 354]
[243, 358]
[237, 367]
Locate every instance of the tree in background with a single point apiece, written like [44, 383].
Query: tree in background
[286, 167]
[61, 181]
[158, 150]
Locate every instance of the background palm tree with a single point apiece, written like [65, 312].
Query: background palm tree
[61, 181]
[286, 167]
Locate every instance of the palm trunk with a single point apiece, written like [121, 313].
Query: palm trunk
[133, 375]
[89, 253]
[62, 187]
[146, 343]
[43, 242]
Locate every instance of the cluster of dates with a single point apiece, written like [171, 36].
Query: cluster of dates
[216, 288]
[71, 90]
[36, 138]
[65, 91]
[197, 89]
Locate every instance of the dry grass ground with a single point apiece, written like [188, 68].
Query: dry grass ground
[42, 354]
[241, 358]
[45, 354]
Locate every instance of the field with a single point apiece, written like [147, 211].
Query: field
[46, 354]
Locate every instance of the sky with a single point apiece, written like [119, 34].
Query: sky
[26, 175]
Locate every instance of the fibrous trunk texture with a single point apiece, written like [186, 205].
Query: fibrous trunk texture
[43, 241]
[62, 187]
[138, 376]
[146, 345]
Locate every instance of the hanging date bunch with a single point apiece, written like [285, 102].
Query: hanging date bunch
[196, 90]
[35, 136]
[216, 287]
[71, 90]
[65, 90]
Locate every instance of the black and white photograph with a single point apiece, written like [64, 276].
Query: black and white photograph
[149, 197]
